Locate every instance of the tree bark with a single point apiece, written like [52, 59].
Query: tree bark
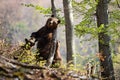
[54, 39]
[68, 13]
[107, 71]
[53, 8]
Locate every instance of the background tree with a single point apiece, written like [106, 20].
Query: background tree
[53, 8]
[106, 64]
[68, 13]
[88, 24]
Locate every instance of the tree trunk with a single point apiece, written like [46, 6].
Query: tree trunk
[53, 9]
[107, 71]
[54, 39]
[69, 29]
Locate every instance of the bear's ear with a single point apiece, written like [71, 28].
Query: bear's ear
[59, 21]
[52, 15]
[26, 40]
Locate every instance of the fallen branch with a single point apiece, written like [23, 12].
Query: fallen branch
[7, 75]
[22, 64]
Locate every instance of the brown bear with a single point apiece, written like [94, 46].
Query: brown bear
[44, 38]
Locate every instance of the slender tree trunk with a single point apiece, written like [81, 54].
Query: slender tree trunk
[107, 71]
[54, 39]
[53, 8]
[69, 29]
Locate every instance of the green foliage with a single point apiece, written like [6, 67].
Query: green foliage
[116, 62]
[114, 23]
[39, 8]
[83, 30]
[116, 59]
[88, 24]
[87, 10]
[24, 56]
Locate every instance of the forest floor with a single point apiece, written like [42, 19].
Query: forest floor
[13, 70]
[19, 64]
[24, 68]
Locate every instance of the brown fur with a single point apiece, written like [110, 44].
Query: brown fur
[44, 38]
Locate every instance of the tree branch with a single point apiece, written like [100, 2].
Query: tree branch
[21, 64]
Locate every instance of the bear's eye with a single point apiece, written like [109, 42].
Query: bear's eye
[50, 19]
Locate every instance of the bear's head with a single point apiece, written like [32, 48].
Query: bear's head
[52, 22]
